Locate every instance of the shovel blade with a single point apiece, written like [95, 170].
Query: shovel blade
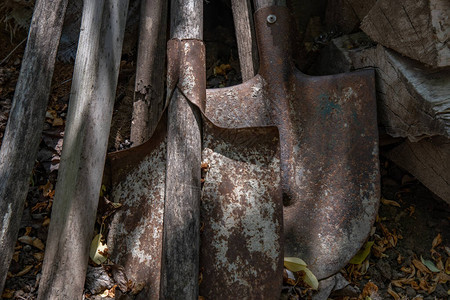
[135, 238]
[335, 169]
[241, 215]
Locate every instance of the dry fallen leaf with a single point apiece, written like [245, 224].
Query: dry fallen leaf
[362, 253]
[98, 248]
[24, 271]
[389, 202]
[420, 266]
[39, 256]
[58, 122]
[393, 293]
[8, 293]
[436, 241]
[369, 289]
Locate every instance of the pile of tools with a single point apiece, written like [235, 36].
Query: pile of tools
[290, 167]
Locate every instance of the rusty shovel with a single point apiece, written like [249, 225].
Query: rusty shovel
[291, 169]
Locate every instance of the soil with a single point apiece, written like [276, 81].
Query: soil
[411, 231]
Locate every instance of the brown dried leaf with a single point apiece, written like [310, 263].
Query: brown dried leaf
[393, 293]
[58, 122]
[447, 266]
[442, 278]
[47, 188]
[16, 256]
[38, 244]
[24, 271]
[419, 265]
[389, 202]
[8, 294]
[436, 241]
[369, 289]
[27, 230]
[39, 256]
[46, 221]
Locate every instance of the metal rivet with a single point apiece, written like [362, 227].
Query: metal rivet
[271, 19]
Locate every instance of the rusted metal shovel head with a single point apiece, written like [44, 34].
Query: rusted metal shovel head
[328, 142]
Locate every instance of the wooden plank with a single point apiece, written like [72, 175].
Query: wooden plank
[361, 7]
[149, 101]
[26, 120]
[245, 37]
[340, 16]
[181, 240]
[413, 100]
[84, 150]
[429, 161]
[416, 28]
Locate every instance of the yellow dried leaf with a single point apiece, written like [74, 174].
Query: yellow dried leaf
[98, 248]
[38, 244]
[389, 202]
[362, 253]
[294, 264]
[310, 279]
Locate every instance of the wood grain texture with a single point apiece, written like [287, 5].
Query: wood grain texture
[361, 7]
[413, 99]
[26, 120]
[429, 161]
[149, 87]
[181, 237]
[416, 28]
[85, 142]
[245, 37]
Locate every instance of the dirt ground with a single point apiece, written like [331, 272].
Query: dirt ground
[410, 254]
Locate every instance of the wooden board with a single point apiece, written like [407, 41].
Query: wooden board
[26, 120]
[413, 100]
[429, 161]
[416, 28]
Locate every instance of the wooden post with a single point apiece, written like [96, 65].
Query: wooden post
[149, 87]
[85, 142]
[25, 124]
[245, 37]
[414, 28]
[180, 265]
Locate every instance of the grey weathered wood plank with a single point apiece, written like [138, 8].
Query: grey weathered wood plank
[84, 150]
[245, 37]
[416, 28]
[26, 120]
[149, 86]
[428, 160]
[180, 265]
